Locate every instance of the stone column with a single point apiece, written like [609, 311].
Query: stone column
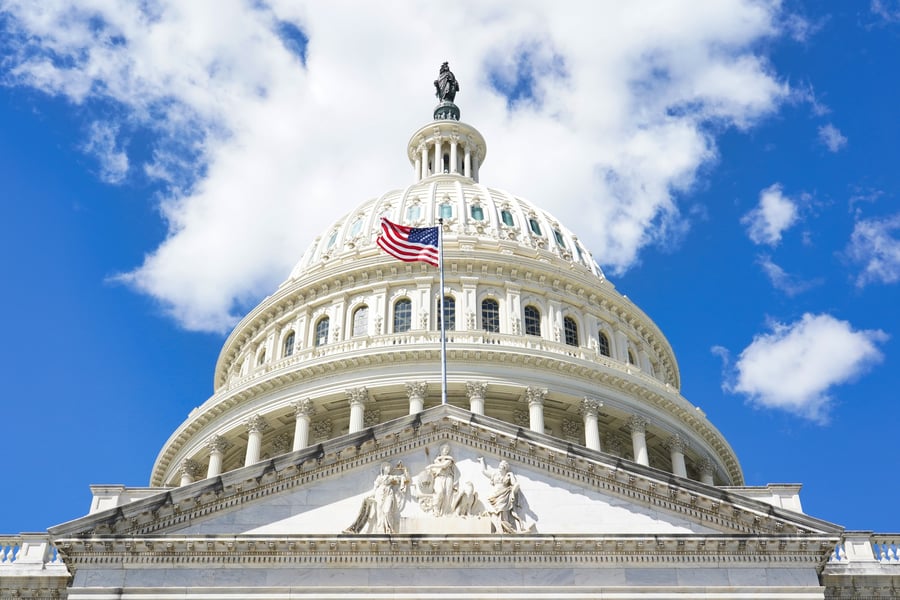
[358, 397]
[438, 157]
[217, 446]
[707, 471]
[454, 143]
[590, 410]
[255, 427]
[535, 397]
[676, 445]
[424, 161]
[467, 162]
[476, 391]
[303, 412]
[418, 168]
[416, 391]
[190, 470]
[638, 427]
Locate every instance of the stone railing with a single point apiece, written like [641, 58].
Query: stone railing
[31, 551]
[860, 547]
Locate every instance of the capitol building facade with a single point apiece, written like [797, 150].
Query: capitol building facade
[559, 461]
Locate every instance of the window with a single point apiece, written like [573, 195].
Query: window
[603, 343]
[532, 321]
[361, 321]
[322, 332]
[477, 212]
[535, 226]
[446, 211]
[262, 357]
[571, 330]
[490, 315]
[631, 357]
[507, 218]
[559, 238]
[331, 240]
[446, 163]
[288, 346]
[402, 315]
[413, 212]
[449, 313]
[356, 227]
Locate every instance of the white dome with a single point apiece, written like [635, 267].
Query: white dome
[538, 336]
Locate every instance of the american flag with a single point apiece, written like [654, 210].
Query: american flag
[409, 244]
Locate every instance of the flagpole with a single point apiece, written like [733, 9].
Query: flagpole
[443, 315]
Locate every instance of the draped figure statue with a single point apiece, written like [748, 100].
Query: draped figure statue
[446, 85]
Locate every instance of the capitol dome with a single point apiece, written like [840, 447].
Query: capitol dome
[536, 336]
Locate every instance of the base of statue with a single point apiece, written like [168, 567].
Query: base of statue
[446, 111]
[446, 525]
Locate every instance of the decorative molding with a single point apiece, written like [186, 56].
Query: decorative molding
[637, 424]
[256, 424]
[303, 408]
[590, 407]
[358, 395]
[535, 395]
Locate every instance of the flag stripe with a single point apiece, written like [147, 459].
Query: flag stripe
[409, 244]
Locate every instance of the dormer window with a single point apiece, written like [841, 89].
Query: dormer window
[507, 218]
[356, 227]
[446, 211]
[477, 212]
[559, 239]
[535, 226]
[413, 213]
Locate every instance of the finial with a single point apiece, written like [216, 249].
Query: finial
[446, 87]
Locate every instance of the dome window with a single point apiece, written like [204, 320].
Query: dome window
[535, 226]
[446, 211]
[603, 343]
[631, 360]
[477, 212]
[288, 346]
[322, 332]
[361, 321]
[571, 330]
[507, 218]
[332, 240]
[262, 357]
[356, 227]
[413, 213]
[559, 239]
[532, 320]
[449, 313]
[402, 315]
[490, 316]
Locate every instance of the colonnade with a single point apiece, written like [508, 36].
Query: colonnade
[358, 398]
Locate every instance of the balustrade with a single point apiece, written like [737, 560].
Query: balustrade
[27, 550]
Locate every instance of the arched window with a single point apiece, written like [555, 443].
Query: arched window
[449, 313]
[356, 227]
[490, 315]
[507, 218]
[532, 320]
[603, 343]
[361, 321]
[535, 226]
[288, 346]
[631, 360]
[402, 315]
[571, 331]
[322, 332]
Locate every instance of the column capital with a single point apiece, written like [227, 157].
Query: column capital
[358, 396]
[590, 407]
[190, 468]
[303, 408]
[416, 389]
[637, 424]
[676, 443]
[256, 424]
[476, 389]
[217, 443]
[707, 466]
[535, 395]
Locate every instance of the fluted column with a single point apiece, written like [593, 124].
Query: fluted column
[535, 397]
[303, 412]
[416, 391]
[707, 471]
[454, 144]
[424, 161]
[418, 168]
[638, 427]
[217, 446]
[438, 157]
[256, 425]
[590, 411]
[676, 444]
[476, 391]
[358, 398]
[190, 470]
[467, 162]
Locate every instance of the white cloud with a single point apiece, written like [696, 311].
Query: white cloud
[784, 281]
[255, 133]
[794, 367]
[875, 245]
[832, 138]
[102, 144]
[772, 217]
[889, 10]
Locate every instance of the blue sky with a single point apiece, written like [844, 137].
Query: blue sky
[733, 168]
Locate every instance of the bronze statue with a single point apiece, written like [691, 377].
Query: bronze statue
[446, 85]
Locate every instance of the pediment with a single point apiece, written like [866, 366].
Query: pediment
[342, 487]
